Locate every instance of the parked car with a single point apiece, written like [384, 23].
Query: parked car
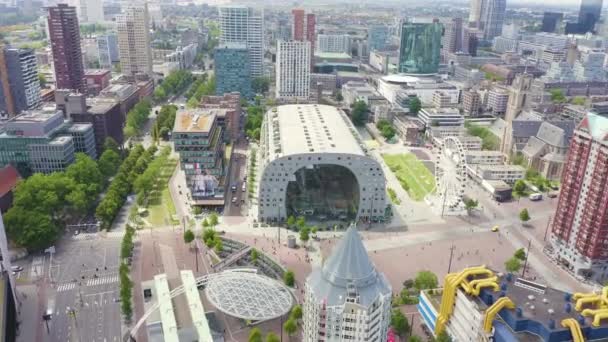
[535, 196]
[233, 199]
[233, 188]
[552, 194]
[16, 268]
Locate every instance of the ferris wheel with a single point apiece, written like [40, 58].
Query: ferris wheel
[450, 175]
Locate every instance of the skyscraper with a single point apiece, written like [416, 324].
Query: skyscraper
[420, 48]
[231, 61]
[64, 34]
[303, 30]
[347, 299]
[107, 46]
[492, 18]
[452, 37]
[19, 83]
[241, 24]
[293, 69]
[579, 234]
[551, 21]
[377, 36]
[589, 15]
[475, 13]
[134, 50]
[89, 11]
[333, 43]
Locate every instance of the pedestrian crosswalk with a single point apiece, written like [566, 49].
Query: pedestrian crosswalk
[66, 287]
[102, 280]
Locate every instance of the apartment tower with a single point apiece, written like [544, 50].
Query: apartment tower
[293, 69]
[19, 83]
[241, 24]
[64, 35]
[133, 26]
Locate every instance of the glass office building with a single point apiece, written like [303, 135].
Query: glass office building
[232, 69]
[420, 48]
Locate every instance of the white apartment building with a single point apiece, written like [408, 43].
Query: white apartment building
[484, 157]
[133, 26]
[88, 11]
[242, 24]
[348, 299]
[333, 43]
[293, 69]
[506, 173]
[497, 101]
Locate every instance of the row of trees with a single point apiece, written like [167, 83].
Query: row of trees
[136, 118]
[514, 264]
[253, 124]
[173, 84]
[203, 88]
[290, 326]
[489, 140]
[401, 326]
[44, 203]
[386, 129]
[126, 285]
[164, 122]
[146, 181]
[121, 184]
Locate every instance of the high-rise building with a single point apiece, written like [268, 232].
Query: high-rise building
[471, 103]
[475, 13]
[89, 11]
[333, 43]
[304, 29]
[589, 67]
[452, 37]
[470, 41]
[420, 48]
[134, 50]
[589, 15]
[377, 36]
[19, 83]
[551, 21]
[347, 299]
[293, 69]
[107, 45]
[492, 18]
[64, 34]
[241, 24]
[579, 232]
[231, 62]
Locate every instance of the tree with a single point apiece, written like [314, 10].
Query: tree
[579, 100]
[359, 113]
[218, 245]
[425, 280]
[205, 223]
[519, 188]
[296, 312]
[42, 80]
[304, 235]
[272, 337]
[314, 230]
[399, 323]
[557, 96]
[254, 255]
[255, 335]
[33, 230]
[414, 338]
[443, 337]
[213, 220]
[160, 94]
[513, 265]
[290, 327]
[520, 254]
[339, 96]
[470, 204]
[289, 278]
[291, 221]
[108, 163]
[192, 103]
[524, 216]
[197, 210]
[301, 222]
[188, 236]
[415, 105]
[260, 85]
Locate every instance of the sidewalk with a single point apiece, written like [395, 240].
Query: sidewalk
[29, 320]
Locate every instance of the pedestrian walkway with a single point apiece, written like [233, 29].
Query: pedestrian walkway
[103, 280]
[84, 236]
[66, 287]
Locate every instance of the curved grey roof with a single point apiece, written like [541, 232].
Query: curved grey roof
[349, 262]
[348, 273]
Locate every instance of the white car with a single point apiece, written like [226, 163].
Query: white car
[233, 199]
[16, 268]
[535, 196]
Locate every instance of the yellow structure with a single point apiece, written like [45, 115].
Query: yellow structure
[492, 311]
[592, 304]
[483, 278]
[575, 329]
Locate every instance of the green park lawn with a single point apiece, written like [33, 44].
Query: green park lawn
[161, 209]
[414, 177]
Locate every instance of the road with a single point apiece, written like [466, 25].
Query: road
[236, 177]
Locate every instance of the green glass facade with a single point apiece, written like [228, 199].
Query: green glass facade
[232, 70]
[420, 48]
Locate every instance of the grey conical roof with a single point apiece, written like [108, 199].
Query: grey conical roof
[349, 262]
